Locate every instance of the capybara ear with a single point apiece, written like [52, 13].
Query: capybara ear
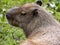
[39, 2]
[35, 12]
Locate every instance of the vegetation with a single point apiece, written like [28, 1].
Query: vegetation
[10, 35]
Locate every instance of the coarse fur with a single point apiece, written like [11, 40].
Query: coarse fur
[39, 25]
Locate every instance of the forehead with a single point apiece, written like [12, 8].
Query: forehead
[26, 8]
[29, 6]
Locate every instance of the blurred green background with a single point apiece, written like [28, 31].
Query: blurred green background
[10, 35]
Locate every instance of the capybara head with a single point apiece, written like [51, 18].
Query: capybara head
[23, 15]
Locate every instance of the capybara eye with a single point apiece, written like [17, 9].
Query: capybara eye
[23, 14]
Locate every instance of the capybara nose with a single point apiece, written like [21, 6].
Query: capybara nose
[8, 16]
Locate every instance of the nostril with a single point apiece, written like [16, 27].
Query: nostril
[8, 16]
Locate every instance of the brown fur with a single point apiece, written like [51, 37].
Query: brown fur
[41, 29]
